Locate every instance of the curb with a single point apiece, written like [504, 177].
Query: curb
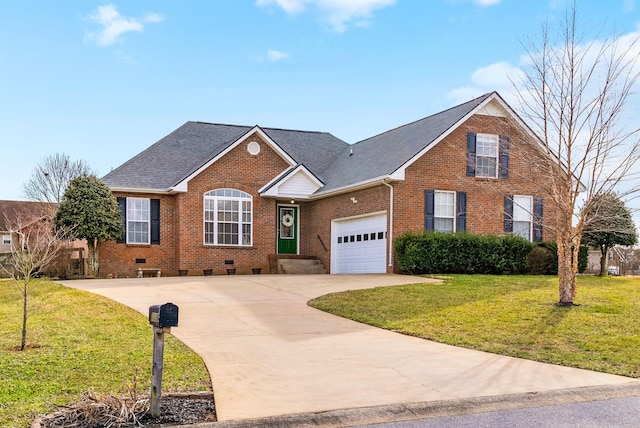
[432, 409]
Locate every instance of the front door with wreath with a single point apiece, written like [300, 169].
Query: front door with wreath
[287, 230]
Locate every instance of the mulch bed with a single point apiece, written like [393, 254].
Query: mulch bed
[97, 411]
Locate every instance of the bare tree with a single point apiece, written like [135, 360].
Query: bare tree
[574, 93]
[50, 178]
[33, 247]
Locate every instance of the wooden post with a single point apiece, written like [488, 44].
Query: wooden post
[156, 369]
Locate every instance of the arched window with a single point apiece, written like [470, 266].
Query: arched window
[228, 217]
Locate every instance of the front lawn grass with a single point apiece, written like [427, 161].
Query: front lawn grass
[511, 315]
[76, 342]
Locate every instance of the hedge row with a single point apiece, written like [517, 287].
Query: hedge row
[543, 259]
[433, 253]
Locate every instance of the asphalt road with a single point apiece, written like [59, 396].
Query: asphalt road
[622, 412]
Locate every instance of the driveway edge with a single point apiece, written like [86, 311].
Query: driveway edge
[433, 409]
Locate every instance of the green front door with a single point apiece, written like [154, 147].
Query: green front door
[287, 230]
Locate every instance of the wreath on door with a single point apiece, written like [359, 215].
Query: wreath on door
[287, 220]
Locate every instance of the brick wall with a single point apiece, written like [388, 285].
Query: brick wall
[442, 168]
[182, 228]
[119, 260]
[317, 216]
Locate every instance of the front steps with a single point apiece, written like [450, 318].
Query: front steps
[300, 266]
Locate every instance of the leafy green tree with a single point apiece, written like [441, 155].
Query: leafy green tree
[608, 222]
[89, 211]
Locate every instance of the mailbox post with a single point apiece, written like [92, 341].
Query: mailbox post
[162, 318]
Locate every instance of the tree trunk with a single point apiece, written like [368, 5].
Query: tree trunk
[92, 261]
[25, 296]
[567, 268]
[604, 249]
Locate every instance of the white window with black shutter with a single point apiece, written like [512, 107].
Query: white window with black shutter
[487, 155]
[523, 216]
[445, 211]
[140, 220]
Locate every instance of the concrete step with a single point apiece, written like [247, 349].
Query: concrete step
[300, 266]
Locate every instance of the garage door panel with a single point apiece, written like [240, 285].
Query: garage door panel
[359, 245]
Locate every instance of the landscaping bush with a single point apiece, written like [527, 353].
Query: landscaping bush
[434, 252]
[543, 259]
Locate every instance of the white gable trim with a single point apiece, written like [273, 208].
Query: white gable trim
[296, 182]
[182, 186]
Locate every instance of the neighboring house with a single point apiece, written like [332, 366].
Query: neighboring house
[618, 262]
[209, 193]
[18, 216]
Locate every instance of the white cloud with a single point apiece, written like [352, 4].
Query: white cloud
[337, 13]
[289, 6]
[153, 17]
[494, 77]
[113, 25]
[274, 55]
[486, 2]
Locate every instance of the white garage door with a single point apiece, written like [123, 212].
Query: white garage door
[359, 245]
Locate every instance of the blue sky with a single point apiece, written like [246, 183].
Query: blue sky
[101, 81]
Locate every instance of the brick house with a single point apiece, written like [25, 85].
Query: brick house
[209, 193]
[17, 215]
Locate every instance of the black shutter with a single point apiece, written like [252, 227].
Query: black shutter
[508, 213]
[504, 157]
[471, 154]
[429, 209]
[122, 206]
[155, 221]
[461, 215]
[537, 219]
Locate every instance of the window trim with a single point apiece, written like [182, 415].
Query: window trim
[453, 210]
[227, 194]
[147, 221]
[502, 161]
[519, 208]
[6, 240]
[496, 158]
[460, 210]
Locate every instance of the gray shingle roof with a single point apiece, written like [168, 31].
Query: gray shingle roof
[176, 156]
[383, 154]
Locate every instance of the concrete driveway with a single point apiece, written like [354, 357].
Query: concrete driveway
[270, 354]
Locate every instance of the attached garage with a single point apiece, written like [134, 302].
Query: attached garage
[359, 244]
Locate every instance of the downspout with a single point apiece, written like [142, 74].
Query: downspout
[390, 237]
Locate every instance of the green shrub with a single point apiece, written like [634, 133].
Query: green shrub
[434, 252]
[539, 264]
[540, 261]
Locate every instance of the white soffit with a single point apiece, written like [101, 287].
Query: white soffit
[299, 183]
[492, 108]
